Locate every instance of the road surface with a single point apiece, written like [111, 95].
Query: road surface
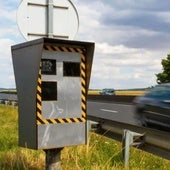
[113, 111]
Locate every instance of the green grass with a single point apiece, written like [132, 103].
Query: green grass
[13, 157]
[105, 154]
[100, 153]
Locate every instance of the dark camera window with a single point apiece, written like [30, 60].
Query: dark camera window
[48, 66]
[71, 69]
[49, 91]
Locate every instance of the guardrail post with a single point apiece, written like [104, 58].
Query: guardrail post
[92, 125]
[53, 161]
[130, 139]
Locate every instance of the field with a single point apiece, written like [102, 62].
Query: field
[120, 92]
[100, 153]
[129, 92]
[94, 92]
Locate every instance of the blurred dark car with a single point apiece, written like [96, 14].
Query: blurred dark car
[107, 92]
[153, 108]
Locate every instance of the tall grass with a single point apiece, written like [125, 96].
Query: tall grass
[13, 157]
[105, 154]
[100, 153]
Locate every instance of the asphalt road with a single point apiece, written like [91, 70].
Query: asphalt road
[113, 111]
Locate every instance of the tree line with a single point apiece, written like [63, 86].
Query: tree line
[164, 76]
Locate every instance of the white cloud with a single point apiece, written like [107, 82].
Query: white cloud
[8, 15]
[8, 11]
[9, 31]
[5, 48]
[115, 64]
[165, 16]
[105, 48]
[6, 68]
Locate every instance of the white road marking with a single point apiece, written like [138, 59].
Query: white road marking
[105, 110]
[119, 104]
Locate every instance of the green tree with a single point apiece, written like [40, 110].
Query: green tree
[164, 77]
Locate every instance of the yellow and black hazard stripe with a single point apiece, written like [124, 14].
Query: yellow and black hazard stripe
[40, 119]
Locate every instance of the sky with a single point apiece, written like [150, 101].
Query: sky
[131, 38]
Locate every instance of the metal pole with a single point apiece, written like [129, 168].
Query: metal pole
[50, 19]
[128, 140]
[126, 147]
[53, 160]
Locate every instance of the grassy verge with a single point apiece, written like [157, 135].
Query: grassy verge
[13, 157]
[105, 154]
[101, 153]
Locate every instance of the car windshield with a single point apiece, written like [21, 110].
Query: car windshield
[160, 91]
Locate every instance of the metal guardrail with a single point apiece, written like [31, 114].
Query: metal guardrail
[154, 141]
[8, 99]
[124, 99]
[8, 96]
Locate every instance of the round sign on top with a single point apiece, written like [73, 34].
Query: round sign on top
[35, 18]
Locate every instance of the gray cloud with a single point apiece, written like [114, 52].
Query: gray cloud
[144, 5]
[157, 42]
[143, 20]
[146, 18]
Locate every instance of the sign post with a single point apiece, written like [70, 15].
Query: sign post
[52, 78]
[50, 18]
[53, 159]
